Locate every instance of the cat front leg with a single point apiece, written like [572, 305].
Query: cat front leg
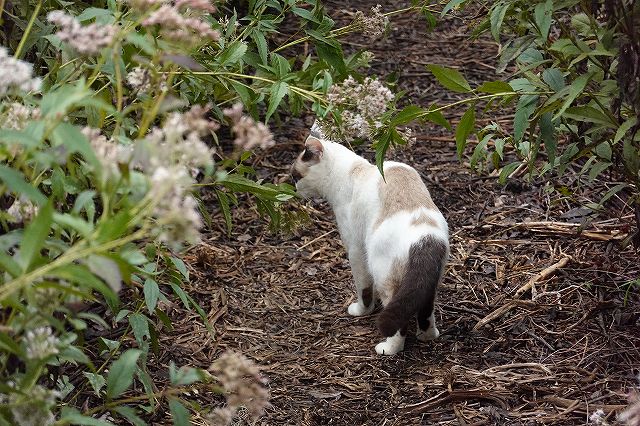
[364, 286]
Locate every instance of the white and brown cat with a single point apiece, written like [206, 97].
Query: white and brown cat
[396, 238]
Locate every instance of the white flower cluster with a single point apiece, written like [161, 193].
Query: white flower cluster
[362, 106]
[174, 25]
[168, 155]
[373, 25]
[16, 75]
[34, 408]
[140, 79]
[247, 132]
[40, 343]
[87, 40]
[243, 385]
[17, 116]
[22, 210]
[110, 153]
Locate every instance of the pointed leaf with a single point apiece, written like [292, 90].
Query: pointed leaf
[464, 129]
[121, 373]
[107, 269]
[554, 78]
[575, 90]
[450, 78]
[179, 413]
[35, 235]
[151, 294]
[278, 90]
[16, 183]
[543, 12]
[494, 87]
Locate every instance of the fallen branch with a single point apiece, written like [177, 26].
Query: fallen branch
[530, 285]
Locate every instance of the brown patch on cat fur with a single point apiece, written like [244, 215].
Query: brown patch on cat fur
[402, 190]
[359, 169]
[423, 219]
[367, 296]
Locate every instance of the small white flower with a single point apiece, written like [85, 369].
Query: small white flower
[248, 133]
[86, 40]
[16, 75]
[40, 343]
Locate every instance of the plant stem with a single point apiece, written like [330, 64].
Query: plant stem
[27, 30]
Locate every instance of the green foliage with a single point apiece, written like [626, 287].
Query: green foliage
[575, 100]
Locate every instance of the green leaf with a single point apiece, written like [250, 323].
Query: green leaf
[506, 171]
[464, 129]
[14, 180]
[187, 376]
[451, 5]
[278, 90]
[179, 413]
[306, 14]
[233, 53]
[8, 345]
[407, 115]
[548, 136]
[9, 265]
[437, 117]
[631, 157]
[497, 16]
[35, 235]
[180, 266]
[96, 381]
[597, 169]
[526, 106]
[56, 103]
[576, 88]
[71, 137]
[80, 275]
[223, 201]
[589, 114]
[543, 13]
[121, 373]
[19, 137]
[76, 223]
[332, 55]
[79, 419]
[140, 327]
[107, 269]
[181, 294]
[130, 414]
[261, 45]
[554, 78]
[624, 128]
[494, 87]
[151, 294]
[604, 151]
[450, 78]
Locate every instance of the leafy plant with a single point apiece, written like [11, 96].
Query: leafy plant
[574, 87]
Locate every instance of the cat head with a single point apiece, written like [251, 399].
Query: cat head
[307, 171]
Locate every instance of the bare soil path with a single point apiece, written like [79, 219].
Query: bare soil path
[553, 356]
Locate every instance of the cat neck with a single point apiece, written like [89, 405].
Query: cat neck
[341, 180]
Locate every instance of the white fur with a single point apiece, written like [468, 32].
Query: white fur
[355, 200]
[392, 345]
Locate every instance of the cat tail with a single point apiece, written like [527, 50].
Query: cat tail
[417, 290]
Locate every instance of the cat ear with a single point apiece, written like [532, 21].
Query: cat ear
[313, 149]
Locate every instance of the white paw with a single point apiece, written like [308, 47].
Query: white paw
[431, 333]
[392, 345]
[389, 347]
[357, 310]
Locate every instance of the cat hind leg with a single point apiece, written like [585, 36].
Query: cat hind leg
[365, 303]
[427, 329]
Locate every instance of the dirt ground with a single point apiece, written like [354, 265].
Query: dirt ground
[552, 356]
